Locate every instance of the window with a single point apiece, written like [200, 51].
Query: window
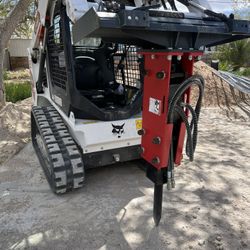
[57, 30]
[90, 42]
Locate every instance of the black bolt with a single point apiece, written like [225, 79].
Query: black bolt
[141, 150]
[156, 160]
[160, 75]
[141, 132]
[156, 140]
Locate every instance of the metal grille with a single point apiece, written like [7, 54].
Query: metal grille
[82, 50]
[126, 66]
[56, 55]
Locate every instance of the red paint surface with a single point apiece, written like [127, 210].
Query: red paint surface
[155, 125]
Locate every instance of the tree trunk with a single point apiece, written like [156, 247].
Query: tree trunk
[7, 28]
[2, 90]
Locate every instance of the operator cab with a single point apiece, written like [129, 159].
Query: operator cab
[107, 74]
[93, 78]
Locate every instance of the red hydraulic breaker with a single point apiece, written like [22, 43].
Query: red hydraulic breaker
[166, 106]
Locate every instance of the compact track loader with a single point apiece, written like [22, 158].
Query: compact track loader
[112, 82]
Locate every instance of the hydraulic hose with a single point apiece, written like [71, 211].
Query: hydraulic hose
[170, 172]
[193, 80]
[184, 118]
[193, 127]
[177, 105]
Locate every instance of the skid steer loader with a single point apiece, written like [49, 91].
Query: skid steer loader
[112, 82]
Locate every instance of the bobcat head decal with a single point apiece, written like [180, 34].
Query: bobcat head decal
[118, 130]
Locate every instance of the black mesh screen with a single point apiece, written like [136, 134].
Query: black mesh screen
[125, 62]
[56, 55]
[126, 65]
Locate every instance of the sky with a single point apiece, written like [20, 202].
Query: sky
[227, 6]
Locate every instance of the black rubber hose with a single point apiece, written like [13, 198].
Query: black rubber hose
[183, 116]
[193, 80]
[172, 4]
[193, 127]
[164, 4]
[171, 158]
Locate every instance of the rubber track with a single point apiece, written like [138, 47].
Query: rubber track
[58, 154]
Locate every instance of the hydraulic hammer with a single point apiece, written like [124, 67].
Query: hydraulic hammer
[166, 106]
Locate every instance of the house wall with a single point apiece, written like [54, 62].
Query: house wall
[18, 53]
[18, 47]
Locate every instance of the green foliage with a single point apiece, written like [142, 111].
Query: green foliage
[5, 75]
[24, 29]
[243, 72]
[17, 92]
[224, 66]
[17, 85]
[17, 75]
[235, 55]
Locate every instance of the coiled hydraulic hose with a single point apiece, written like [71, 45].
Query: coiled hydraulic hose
[193, 128]
[177, 105]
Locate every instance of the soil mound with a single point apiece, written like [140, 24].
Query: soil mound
[14, 128]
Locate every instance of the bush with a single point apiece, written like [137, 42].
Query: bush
[234, 56]
[224, 66]
[17, 92]
[5, 75]
[244, 72]
[21, 74]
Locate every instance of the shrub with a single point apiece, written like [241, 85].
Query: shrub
[5, 75]
[244, 72]
[235, 55]
[17, 92]
[22, 74]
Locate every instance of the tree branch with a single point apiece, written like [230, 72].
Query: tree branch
[13, 18]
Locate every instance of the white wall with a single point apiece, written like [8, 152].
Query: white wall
[18, 47]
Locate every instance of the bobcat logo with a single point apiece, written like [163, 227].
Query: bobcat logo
[118, 130]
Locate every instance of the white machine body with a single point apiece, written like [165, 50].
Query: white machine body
[96, 136]
[91, 135]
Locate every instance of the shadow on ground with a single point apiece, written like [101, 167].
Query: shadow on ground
[209, 209]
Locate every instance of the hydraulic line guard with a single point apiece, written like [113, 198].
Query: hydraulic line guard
[166, 106]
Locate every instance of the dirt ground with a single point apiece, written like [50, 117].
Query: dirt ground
[219, 93]
[14, 128]
[208, 209]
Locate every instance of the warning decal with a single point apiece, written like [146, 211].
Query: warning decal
[138, 124]
[154, 106]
